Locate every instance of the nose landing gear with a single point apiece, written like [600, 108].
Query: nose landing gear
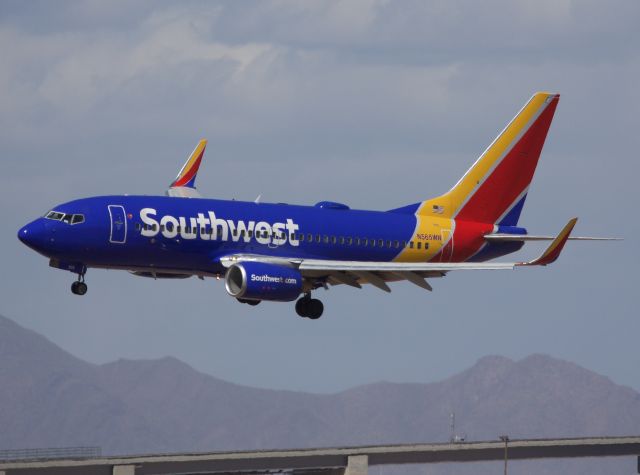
[79, 287]
[307, 307]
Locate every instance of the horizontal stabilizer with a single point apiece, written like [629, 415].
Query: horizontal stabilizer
[529, 237]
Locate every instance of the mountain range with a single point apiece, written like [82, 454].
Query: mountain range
[49, 398]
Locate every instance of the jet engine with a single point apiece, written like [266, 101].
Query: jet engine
[260, 281]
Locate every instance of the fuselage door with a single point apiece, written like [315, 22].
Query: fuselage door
[118, 219]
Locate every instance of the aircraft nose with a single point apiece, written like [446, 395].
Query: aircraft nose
[34, 235]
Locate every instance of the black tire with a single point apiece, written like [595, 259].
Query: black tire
[315, 309]
[74, 288]
[81, 288]
[253, 303]
[302, 307]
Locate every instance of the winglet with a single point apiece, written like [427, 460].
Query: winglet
[555, 248]
[184, 186]
[187, 176]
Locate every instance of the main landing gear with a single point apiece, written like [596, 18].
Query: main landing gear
[79, 287]
[307, 307]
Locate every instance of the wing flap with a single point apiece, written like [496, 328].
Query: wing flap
[415, 279]
[373, 279]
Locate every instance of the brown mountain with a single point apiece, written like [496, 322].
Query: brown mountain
[49, 398]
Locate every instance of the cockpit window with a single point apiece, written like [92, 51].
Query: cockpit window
[55, 215]
[65, 217]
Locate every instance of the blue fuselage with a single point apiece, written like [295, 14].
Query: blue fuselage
[159, 232]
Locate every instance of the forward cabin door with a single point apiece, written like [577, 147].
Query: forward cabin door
[118, 218]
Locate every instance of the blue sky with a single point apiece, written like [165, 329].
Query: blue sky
[376, 104]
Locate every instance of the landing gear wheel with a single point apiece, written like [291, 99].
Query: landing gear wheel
[315, 309]
[307, 307]
[79, 288]
[302, 305]
[253, 303]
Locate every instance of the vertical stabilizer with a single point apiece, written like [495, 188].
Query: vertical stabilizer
[494, 189]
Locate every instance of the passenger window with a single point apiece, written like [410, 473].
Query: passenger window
[411, 245]
[309, 237]
[380, 242]
[325, 239]
[161, 227]
[388, 243]
[317, 238]
[426, 245]
[396, 244]
[419, 245]
[301, 237]
[349, 241]
[404, 243]
[373, 242]
[250, 234]
[342, 240]
[138, 226]
[333, 240]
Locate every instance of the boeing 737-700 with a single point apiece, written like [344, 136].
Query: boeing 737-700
[280, 252]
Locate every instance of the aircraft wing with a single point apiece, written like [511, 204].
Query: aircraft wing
[355, 273]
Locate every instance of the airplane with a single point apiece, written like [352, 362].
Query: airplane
[281, 252]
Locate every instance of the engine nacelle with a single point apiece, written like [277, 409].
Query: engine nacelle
[260, 281]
